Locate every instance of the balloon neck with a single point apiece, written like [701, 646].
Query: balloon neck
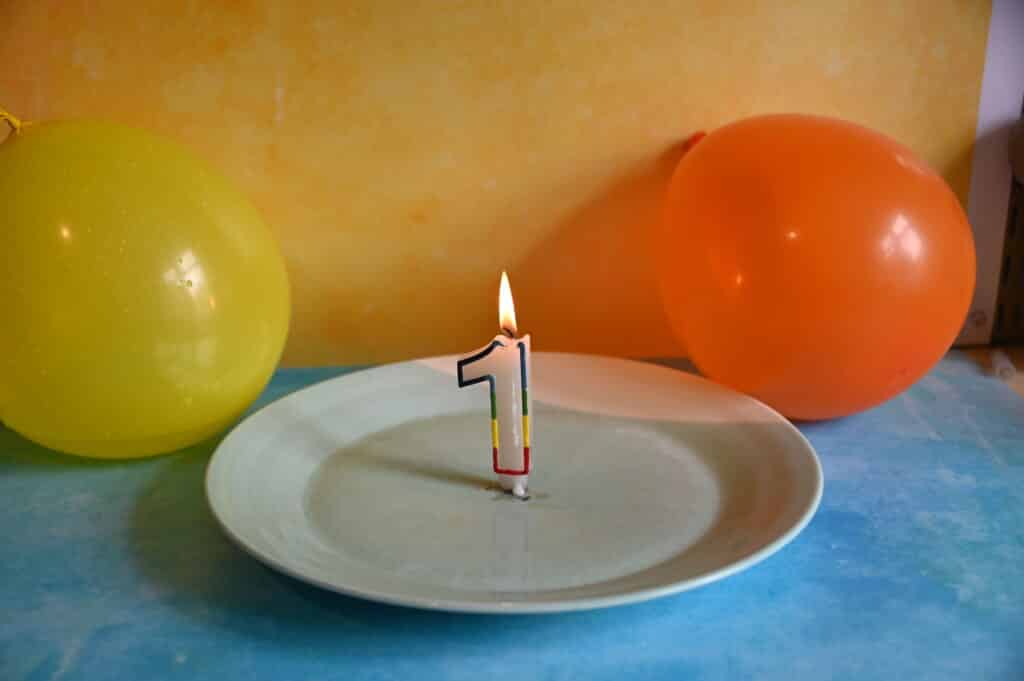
[15, 123]
[693, 140]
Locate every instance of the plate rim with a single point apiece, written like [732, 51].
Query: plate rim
[498, 607]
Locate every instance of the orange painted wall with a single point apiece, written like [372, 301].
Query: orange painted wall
[405, 152]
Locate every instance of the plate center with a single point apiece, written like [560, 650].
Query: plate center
[609, 497]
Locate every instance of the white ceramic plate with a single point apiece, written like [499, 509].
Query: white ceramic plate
[647, 481]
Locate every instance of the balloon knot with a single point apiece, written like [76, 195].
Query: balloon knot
[693, 139]
[10, 119]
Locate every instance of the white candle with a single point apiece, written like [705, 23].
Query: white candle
[504, 365]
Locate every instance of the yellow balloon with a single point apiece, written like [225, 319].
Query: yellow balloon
[145, 302]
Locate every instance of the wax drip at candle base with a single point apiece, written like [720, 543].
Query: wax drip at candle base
[514, 485]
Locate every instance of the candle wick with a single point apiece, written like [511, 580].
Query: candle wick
[508, 332]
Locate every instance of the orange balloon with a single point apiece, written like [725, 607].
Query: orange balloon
[812, 263]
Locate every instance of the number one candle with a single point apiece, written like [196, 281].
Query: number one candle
[504, 364]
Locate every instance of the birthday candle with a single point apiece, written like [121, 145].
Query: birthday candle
[504, 364]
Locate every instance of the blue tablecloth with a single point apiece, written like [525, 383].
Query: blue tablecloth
[913, 568]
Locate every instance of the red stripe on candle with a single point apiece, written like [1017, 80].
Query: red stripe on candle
[512, 471]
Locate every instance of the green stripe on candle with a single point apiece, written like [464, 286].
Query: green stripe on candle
[494, 402]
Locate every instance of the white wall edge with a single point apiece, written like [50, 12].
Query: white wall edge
[1002, 89]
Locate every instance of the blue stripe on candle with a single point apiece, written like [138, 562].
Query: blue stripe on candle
[469, 360]
[480, 379]
[522, 376]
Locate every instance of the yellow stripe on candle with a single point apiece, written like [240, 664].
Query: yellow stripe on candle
[494, 432]
[526, 430]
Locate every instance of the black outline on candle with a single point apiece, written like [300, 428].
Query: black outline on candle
[494, 402]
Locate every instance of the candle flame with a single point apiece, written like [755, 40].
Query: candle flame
[506, 308]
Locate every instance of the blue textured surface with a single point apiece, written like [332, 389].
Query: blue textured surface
[912, 569]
